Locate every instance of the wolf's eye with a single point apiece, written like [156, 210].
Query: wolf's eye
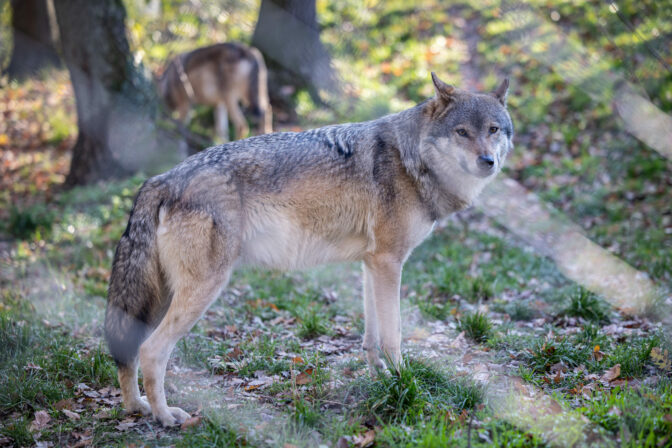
[493, 129]
[461, 132]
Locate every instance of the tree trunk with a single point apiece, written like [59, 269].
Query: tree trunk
[116, 103]
[34, 38]
[288, 35]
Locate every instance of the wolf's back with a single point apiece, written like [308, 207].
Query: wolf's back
[136, 290]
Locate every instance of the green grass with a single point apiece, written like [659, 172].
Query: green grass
[476, 326]
[40, 368]
[34, 222]
[587, 305]
[576, 355]
[312, 324]
[416, 390]
[633, 356]
[212, 432]
[638, 415]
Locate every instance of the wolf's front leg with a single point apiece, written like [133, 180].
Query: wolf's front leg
[371, 339]
[384, 271]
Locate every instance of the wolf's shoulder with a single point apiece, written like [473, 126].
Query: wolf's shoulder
[343, 139]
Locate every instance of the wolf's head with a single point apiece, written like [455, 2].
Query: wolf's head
[468, 133]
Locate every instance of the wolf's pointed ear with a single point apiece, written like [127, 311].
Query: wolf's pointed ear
[502, 91]
[444, 91]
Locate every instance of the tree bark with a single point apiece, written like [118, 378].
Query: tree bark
[34, 38]
[116, 103]
[288, 35]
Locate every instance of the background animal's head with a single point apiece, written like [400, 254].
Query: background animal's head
[469, 132]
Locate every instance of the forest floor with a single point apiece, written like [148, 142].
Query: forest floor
[504, 343]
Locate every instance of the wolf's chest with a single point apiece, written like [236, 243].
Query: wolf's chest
[278, 240]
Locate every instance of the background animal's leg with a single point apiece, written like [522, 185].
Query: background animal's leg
[184, 113]
[222, 122]
[385, 271]
[239, 123]
[184, 117]
[371, 339]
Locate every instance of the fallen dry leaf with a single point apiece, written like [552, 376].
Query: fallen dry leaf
[661, 359]
[41, 420]
[190, 423]
[126, 424]
[82, 443]
[365, 439]
[459, 342]
[259, 383]
[71, 415]
[612, 374]
[236, 353]
[304, 377]
[64, 404]
[558, 367]
[32, 366]
[558, 377]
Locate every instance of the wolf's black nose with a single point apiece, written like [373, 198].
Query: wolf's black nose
[485, 162]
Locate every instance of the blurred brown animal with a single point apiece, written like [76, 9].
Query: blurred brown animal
[223, 76]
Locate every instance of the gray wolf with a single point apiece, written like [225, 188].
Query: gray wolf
[223, 76]
[367, 191]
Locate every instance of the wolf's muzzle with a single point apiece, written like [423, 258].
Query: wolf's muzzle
[485, 163]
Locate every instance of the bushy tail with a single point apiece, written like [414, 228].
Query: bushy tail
[137, 293]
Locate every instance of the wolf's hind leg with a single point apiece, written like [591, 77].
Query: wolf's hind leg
[197, 263]
[187, 307]
[130, 392]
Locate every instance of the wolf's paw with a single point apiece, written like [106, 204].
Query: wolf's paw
[172, 417]
[139, 406]
[180, 415]
[375, 364]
